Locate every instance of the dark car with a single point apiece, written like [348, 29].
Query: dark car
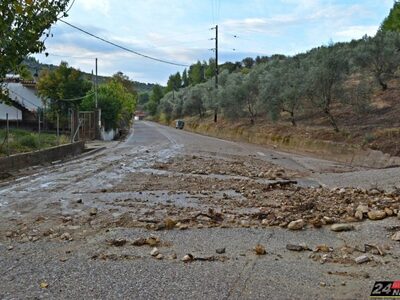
[179, 124]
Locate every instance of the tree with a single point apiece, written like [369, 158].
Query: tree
[22, 25]
[248, 62]
[196, 73]
[174, 83]
[194, 103]
[283, 88]
[380, 55]
[210, 69]
[125, 81]
[392, 21]
[117, 104]
[155, 97]
[328, 67]
[185, 79]
[61, 89]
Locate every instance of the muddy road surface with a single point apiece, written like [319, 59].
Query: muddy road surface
[169, 214]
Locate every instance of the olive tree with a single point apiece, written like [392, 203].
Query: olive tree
[380, 55]
[327, 71]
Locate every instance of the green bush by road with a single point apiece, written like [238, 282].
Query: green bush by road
[25, 141]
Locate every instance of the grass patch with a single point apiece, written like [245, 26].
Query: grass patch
[21, 141]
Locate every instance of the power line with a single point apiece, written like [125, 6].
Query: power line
[122, 47]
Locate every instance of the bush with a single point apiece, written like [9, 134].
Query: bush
[29, 141]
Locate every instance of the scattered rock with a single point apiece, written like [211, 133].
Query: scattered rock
[93, 211]
[323, 248]
[328, 220]
[396, 236]
[376, 214]
[265, 222]
[139, 242]
[188, 258]
[79, 201]
[322, 284]
[220, 250]
[389, 212]
[152, 241]
[296, 225]
[362, 259]
[8, 234]
[260, 250]
[172, 256]
[362, 208]
[359, 215]
[117, 242]
[9, 248]
[342, 227]
[169, 223]
[159, 256]
[66, 236]
[293, 247]
[154, 252]
[44, 285]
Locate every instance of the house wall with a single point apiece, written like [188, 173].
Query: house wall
[14, 114]
[26, 96]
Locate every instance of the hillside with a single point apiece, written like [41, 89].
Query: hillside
[36, 66]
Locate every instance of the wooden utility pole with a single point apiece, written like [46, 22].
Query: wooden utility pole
[95, 86]
[216, 71]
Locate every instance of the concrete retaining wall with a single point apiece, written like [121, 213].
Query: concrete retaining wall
[20, 161]
[345, 153]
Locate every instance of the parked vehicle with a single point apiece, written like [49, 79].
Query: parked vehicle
[179, 124]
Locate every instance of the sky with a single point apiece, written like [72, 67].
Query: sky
[179, 31]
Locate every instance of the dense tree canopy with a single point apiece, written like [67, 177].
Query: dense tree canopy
[277, 86]
[23, 26]
[392, 22]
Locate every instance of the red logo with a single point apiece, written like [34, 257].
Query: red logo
[396, 285]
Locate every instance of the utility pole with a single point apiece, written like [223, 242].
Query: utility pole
[95, 86]
[216, 69]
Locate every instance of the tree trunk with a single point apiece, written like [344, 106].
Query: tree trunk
[382, 83]
[292, 119]
[215, 115]
[332, 120]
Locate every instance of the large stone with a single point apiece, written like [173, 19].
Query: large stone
[362, 208]
[396, 236]
[154, 252]
[342, 227]
[296, 225]
[376, 214]
[359, 215]
[362, 259]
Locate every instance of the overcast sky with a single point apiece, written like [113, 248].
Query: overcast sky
[179, 31]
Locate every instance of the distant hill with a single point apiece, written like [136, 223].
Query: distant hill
[35, 67]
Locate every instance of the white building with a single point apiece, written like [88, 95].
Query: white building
[24, 97]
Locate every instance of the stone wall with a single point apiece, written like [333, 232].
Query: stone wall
[20, 161]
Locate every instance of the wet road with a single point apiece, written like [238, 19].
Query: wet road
[58, 199]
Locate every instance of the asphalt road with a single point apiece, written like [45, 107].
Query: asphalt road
[71, 270]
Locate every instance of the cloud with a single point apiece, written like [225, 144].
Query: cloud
[355, 32]
[102, 6]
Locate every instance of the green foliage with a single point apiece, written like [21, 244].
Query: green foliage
[196, 74]
[155, 98]
[273, 87]
[174, 82]
[117, 104]
[29, 141]
[58, 86]
[380, 55]
[392, 22]
[22, 26]
[26, 141]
